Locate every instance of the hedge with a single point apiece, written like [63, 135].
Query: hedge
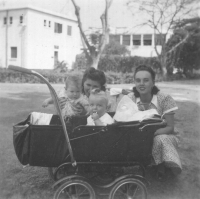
[7, 75]
[117, 63]
[117, 69]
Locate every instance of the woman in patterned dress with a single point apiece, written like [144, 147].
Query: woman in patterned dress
[148, 96]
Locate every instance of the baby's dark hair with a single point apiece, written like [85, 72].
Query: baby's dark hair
[75, 79]
[94, 75]
[143, 67]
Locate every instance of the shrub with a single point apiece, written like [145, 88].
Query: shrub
[126, 64]
[17, 77]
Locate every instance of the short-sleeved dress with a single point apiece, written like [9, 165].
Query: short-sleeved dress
[164, 146]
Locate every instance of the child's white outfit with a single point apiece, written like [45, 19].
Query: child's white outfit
[127, 111]
[68, 109]
[105, 119]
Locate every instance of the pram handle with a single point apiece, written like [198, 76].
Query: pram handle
[56, 103]
[163, 123]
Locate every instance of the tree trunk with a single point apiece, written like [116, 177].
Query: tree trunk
[93, 54]
[164, 71]
[163, 62]
[95, 62]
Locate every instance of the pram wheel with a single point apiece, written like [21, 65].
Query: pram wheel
[136, 170]
[76, 189]
[63, 171]
[129, 189]
[104, 179]
[56, 173]
[104, 176]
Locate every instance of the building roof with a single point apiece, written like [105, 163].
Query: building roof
[127, 31]
[68, 17]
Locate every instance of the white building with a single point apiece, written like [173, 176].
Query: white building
[139, 41]
[36, 39]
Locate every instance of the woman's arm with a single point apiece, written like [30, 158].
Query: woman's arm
[169, 129]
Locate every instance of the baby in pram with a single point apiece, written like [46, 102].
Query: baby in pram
[73, 96]
[98, 101]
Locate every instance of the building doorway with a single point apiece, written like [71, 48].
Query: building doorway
[55, 58]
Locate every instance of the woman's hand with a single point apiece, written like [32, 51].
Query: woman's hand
[169, 129]
[126, 91]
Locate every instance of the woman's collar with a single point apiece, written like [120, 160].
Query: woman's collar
[153, 101]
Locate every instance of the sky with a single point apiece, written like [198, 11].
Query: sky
[91, 10]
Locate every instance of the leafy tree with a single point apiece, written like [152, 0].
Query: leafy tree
[110, 55]
[114, 48]
[161, 16]
[186, 56]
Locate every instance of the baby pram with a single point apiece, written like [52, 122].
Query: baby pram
[88, 160]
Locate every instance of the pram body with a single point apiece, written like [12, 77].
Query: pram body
[88, 160]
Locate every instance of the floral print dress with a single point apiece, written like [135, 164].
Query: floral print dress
[164, 146]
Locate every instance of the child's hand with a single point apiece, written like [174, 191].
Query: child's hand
[95, 116]
[45, 103]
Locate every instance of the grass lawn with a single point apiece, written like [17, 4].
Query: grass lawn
[16, 182]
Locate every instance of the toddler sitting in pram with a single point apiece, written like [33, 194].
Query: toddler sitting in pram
[73, 96]
[98, 102]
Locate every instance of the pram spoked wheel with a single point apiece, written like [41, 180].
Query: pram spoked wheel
[56, 173]
[76, 189]
[129, 189]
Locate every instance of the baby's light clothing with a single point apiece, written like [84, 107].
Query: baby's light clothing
[105, 119]
[68, 109]
[127, 111]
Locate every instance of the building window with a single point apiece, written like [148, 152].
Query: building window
[13, 52]
[147, 40]
[58, 28]
[126, 40]
[4, 20]
[69, 30]
[45, 22]
[136, 40]
[11, 20]
[49, 24]
[114, 38]
[160, 39]
[21, 19]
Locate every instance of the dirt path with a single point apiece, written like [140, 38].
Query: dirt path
[16, 182]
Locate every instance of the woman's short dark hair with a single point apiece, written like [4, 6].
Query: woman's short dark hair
[143, 67]
[94, 75]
